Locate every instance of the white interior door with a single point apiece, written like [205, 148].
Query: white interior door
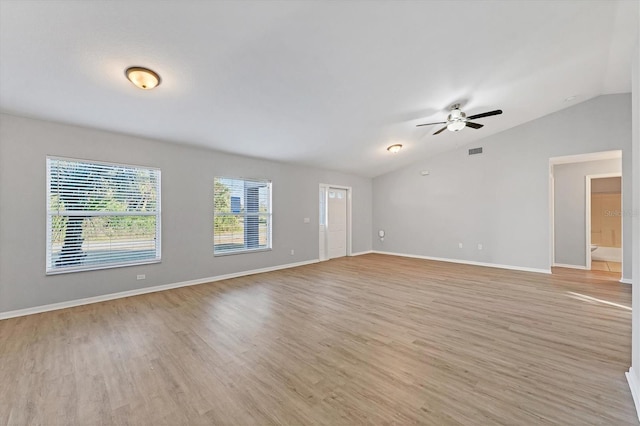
[337, 222]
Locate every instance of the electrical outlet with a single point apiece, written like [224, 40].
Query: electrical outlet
[307, 220]
[141, 277]
[459, 245]
[293, 252]
[479, 246]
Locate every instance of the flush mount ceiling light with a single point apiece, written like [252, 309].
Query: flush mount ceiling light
[395, 148]
[143, 78]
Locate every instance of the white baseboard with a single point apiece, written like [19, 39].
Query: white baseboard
[360, 253]
[635, 391]
[468, 262]
[565, 265]
[626, 281]
[145, 290]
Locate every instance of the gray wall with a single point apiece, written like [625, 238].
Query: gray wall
[187, 211]
[570, 203]
[500, 198]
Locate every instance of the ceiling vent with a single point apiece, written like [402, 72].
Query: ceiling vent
[474, 151]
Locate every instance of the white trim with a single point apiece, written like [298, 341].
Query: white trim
[468, 262]
[239, 251]
[552, 215]
[322, 222]
[145, 290]
[635, 391]
[565, 265]
[591, 156]
[99, 267]
[360, 253]
[102, 163]
[587, 221]
[626, 281]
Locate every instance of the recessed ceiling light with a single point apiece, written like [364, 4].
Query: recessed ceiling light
[143, 78]
[395, 148]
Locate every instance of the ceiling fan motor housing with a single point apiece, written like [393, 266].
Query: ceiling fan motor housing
[456, 115]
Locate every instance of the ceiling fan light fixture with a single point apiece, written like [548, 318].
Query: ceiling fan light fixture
[456, 126]
[395, 148]
[143, 78]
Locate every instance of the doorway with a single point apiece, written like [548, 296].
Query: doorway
[570, 179]
[604, 222]
[335, 221]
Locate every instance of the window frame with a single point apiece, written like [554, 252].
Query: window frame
[119, 264]
[269, 216]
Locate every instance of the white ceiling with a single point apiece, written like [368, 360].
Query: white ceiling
[327, 84]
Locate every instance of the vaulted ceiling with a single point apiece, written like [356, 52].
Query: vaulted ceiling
[326, 84]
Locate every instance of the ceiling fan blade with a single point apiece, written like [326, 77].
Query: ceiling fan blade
[439, 131]
[474, 125]
[431, 124]
[485, 114]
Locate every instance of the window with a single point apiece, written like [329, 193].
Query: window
[241, 215]
[101, 215]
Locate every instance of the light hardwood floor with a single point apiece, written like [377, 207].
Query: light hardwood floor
[601, 265]
[371, 339]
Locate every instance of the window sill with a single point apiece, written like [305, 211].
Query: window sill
[231, 253]
[99, 267]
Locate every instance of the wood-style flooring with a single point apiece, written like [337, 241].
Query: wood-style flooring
[604, 265]
[371, 339]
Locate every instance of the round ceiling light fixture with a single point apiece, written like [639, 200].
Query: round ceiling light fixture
[143, 78]
[456, 126]
[395, 148]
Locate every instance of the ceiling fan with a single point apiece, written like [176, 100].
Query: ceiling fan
[458, 120]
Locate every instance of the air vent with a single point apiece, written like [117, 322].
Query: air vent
[474, 151]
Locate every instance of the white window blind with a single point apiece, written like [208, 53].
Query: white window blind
[101, 215]
[242, 215]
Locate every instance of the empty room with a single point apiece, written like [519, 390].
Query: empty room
[309, 212]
